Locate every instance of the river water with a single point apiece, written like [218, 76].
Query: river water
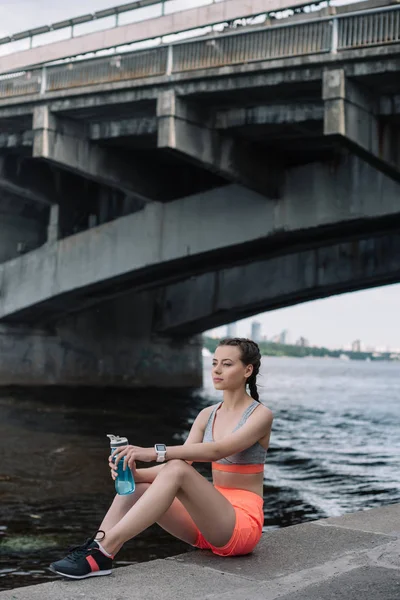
[335, 449]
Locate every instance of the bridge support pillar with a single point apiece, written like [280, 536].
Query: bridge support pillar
[351, 114]
[185, 128]
[65, 143]
[109, 345]
[53, 227]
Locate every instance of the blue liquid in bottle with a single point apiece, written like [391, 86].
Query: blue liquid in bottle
[124, 484]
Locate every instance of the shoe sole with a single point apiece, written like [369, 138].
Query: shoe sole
[93, 574]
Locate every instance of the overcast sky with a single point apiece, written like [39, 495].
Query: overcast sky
[371, 315]
[19, 15]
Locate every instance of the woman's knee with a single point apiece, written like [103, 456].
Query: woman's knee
[177, 468]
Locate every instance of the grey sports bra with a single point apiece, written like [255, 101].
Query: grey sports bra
[254, 455]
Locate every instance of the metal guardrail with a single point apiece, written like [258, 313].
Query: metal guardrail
[118, 68]
[360, 30]
[274, 42]
[325, 35]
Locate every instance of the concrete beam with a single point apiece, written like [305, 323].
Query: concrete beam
[22, 192]
[234, 293]
[269, 114]
[22, 139]
[378, 61]
[183, 129]
[53, 228]
[14, 185]
[351, 114]
[123, 128]
[66, 143]
[147, 125]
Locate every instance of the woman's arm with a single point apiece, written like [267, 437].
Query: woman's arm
[148, 475]
[257, 426]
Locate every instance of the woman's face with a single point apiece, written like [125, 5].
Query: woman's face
[228, 371]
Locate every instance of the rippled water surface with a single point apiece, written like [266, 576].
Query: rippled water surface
[335, 449]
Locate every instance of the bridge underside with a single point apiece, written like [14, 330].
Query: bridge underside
[234, 293]
[323, 203]
[183, 134]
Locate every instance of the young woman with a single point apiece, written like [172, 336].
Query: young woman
[225, 516]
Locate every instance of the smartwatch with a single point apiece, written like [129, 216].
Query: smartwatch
[161, 451]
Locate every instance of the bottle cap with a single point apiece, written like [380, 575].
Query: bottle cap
[116, 440]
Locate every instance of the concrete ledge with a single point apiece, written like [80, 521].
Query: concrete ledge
[354, 556]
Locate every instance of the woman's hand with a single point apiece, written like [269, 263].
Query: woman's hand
[113, 468]
[130, 454]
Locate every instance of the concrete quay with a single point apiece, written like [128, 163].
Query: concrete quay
[353, 556]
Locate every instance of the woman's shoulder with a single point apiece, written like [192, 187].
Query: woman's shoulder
[204, 415]
[209, 409]
[206, 412]
[265, 411]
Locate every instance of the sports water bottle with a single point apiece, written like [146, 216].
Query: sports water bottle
[124, 484]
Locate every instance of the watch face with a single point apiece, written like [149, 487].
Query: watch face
[160, 447]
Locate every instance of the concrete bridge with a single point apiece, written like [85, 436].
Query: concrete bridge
[148, 196]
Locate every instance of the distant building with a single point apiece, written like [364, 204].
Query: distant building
[256, 331]
[231, 330]
[284, 337]
[356, 346]
[302, 342]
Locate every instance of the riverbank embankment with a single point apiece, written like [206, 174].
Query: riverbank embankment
[350, 557]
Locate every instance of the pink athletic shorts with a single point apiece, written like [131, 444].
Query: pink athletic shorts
[249, 522]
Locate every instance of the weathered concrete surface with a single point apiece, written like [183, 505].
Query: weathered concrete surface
[183, 129]
[109, 346]
[161, 240]
[226, 295]
[350, 113]
[350, 557]
[64, 143]
[248, 78]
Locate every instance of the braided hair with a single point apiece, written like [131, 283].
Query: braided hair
[250, 355]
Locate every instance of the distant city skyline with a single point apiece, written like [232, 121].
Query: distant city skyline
[371, 316]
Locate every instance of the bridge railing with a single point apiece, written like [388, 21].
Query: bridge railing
[377, 28]
[324, 35]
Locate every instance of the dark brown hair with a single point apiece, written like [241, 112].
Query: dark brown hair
[250, 355]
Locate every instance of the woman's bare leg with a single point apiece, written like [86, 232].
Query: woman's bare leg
[121, 505]
[175, 521]
[211, 512]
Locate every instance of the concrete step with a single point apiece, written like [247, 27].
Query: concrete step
[354, 556]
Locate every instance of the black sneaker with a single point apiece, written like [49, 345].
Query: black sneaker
[83, 561]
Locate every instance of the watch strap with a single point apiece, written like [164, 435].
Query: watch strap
[161, 454]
